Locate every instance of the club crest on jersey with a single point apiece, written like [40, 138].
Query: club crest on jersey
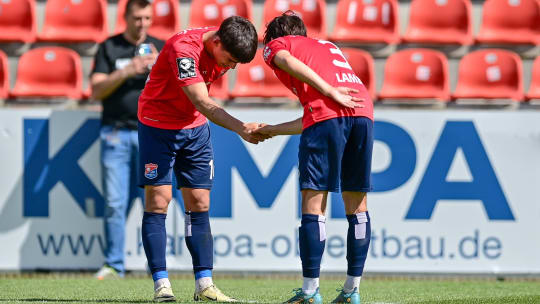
[186, 67]
[150, 171]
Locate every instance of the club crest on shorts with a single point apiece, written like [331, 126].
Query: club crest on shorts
[150, 170]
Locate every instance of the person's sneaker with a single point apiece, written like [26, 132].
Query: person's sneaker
[164, 294]
[107, 272]
[343, 297]
[301, 298]
[212, 294]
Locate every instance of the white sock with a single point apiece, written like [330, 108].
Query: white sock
[203, 283]
[310, 285]
[162, 282]
[351, 283]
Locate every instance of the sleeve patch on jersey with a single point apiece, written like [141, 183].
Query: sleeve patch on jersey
[186, 67]
[266, 53]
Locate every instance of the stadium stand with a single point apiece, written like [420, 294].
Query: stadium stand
[74, 21]
[367, 22]
[510, 21]
[48, 72]
[434, 23]
[312, 12]
[220, 88]
[4, 76]
[17, 21]
[212, 12]
[440, 22]
[416, 74]
[490, 74]
[363, 66]
[165, 23]
[256, 79]
[534, 89]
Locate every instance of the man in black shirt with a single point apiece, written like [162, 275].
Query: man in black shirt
[121, 67]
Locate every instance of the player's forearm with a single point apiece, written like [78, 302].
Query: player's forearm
[296, 68]
[198, 95]
[104, 87]
[219, 116]
[287, 128]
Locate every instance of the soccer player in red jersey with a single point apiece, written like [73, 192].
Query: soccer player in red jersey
[335, 146]
[174, 136]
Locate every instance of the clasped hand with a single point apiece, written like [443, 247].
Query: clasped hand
[255, 132]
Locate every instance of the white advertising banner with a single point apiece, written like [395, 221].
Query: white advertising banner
[454, 191]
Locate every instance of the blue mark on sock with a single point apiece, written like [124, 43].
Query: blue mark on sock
[160, 275]
[203, 274]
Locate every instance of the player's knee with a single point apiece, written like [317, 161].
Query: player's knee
[197, 200]
[355, 202]
[157, 199]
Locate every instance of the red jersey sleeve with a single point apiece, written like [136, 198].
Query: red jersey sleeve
[184, 61]
[272, 48]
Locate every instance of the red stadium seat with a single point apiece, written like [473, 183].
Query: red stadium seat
[256, 79]
[490, 74]
[49, 72]
[74, 21]
[510, 21]
[166, 19]
[373, 21]
[312, 12]
[4, 76]
[212, 12]
[416, 74]
[17, 21]
[440, 22]
[534, 89]
[220, 88]
[87, 93]
[362, 64]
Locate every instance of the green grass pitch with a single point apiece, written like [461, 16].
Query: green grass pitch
[85, 289]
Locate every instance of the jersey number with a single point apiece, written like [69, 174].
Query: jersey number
[334, 50]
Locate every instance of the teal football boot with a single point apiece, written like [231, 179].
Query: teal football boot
[348, 298]
[301, 298]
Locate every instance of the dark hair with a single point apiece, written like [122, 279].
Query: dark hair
[139, 3]
[287, 24]
[238, 37]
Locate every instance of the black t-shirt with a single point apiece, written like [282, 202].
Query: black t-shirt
[120, 108]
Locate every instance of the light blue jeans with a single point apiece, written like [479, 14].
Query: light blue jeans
[119, 153]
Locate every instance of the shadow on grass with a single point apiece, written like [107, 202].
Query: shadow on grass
[45, 300]
[528, 299]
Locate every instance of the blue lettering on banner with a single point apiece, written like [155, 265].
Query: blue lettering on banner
[484, 186]
[385, 244]
[42, 173]
[230, 152]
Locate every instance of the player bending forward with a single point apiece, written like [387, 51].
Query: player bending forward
[174, 136]
[335, 146]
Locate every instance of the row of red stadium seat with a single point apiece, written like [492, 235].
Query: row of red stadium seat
[409, 74]
[375, 21]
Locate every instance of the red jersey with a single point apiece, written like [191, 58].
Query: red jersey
[328, 62]
[182, 62]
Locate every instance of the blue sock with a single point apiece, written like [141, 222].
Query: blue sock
[312, 238]
[154, 238]
[358, 238]
[200, 243]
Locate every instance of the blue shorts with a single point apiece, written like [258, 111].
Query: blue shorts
[188, 152]
[335, 155]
